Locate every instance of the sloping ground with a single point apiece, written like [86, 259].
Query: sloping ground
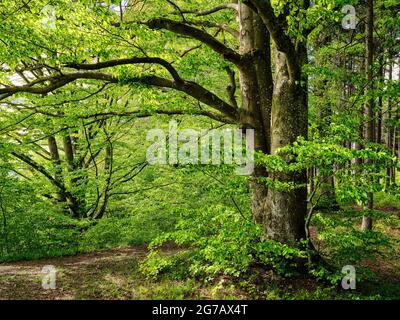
[115, 274]
[77, 277]
[110, 274]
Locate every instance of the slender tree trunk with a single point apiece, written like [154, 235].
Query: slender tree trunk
[379, 123]
[76, 203]
[349, 93]
[389, 134]
[396, 144]
[369, 129]
[69, 152]
[310, 178]
[397, 135]
[327, 189]
[108, 164]
[55, 157]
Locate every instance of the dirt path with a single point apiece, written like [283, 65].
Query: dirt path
[79, 276]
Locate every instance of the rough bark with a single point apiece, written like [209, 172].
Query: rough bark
[286, 211]
[282, 118]
[255, 86]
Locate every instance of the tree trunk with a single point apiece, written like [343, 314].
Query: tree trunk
[256, 89]
[389, 133]
[280, 116]
[369, 108]
[286, 211]
[108, 165]
[69, 152]
[327, 200]
[55, 157]
[77, 204]
[379, 124]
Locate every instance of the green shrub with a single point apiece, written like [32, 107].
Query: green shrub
[30, 228]
[126, 229]
[221, 240]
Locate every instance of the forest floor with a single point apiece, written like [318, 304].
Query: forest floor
[107, 274]
[79, 276]
[115, 274]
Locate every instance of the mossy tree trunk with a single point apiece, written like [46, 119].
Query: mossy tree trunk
[280, 109]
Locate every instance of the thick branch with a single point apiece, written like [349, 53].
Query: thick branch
[210, 24]
[231, 89]
[144, 114]
[133, 60]
[200, 35]
[278, 33]
[196, 91]
[191, 88]
[39, 168]
[232, 6]
[56, 81]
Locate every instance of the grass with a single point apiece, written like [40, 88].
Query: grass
[386, 201]
[116, 274]
[110, 277]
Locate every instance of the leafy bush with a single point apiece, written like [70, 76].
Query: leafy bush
[30, 228]
[126, 229]
[341, 243]
[221, 241]
[387, 200]
[280, 257]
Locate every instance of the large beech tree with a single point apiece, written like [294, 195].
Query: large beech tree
[258, 45]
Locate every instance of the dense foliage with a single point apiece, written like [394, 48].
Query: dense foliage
[83, 82]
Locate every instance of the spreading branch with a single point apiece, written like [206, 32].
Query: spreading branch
[195, 33]
[140, 114]
[191, 88]
[119, 62]
[210, 24]
[275, 26]
[39, 168]
[231, 6]
[55, 82]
